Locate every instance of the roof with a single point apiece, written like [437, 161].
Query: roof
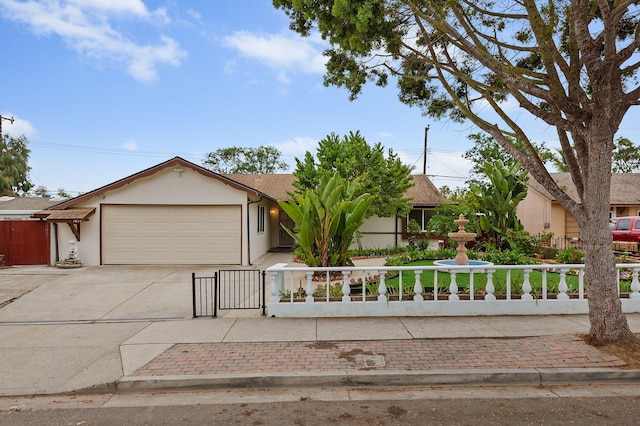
[29, 203]
[425, 193]
[177, 162]
[278, 186]
[625, 187]
[68, 215]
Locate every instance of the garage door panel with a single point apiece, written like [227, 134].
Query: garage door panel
[171, 234]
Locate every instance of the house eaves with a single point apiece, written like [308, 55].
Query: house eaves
[176, 162]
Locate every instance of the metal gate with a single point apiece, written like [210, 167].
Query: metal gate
[228, 289]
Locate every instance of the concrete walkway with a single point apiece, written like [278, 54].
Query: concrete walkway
[130, 328]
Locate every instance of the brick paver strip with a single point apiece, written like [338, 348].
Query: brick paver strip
[416, 354]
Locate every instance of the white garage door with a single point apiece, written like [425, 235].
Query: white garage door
[183, 235]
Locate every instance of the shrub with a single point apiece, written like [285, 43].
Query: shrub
[570, 255]
[506, 257]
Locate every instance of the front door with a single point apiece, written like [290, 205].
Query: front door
[284, 239]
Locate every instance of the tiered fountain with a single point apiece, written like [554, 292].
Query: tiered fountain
[462, 237]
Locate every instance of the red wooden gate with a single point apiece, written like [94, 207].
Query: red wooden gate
[24, 242]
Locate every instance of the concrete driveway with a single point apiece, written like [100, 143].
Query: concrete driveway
[62, 329]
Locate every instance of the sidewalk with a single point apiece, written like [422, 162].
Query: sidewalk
[356, 351]
[129, 328]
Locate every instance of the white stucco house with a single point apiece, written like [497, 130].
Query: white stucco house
[178, 212]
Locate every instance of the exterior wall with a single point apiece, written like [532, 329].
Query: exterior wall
[632, 210]
[260, 242]
[558, 221]
[534, 211]
[379, 232]
[163, 188]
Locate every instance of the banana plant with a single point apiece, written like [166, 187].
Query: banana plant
[326, 219]
[499, 200]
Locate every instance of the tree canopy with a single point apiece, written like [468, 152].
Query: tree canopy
[568, 63]
[14, 165]
[263, 159]
[383, 176]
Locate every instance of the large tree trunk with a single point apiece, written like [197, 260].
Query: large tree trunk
[608, 323]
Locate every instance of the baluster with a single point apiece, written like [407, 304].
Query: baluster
[581, 284]
[346, 288]
[382, 288]
[417, 287]
[635, 285]
[277, 285]
[453, 287]
[435, 285]
[526, 286]
[309, 288]
[509, 284]
[562, 285]
[490, 287]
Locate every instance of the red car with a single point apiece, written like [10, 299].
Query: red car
[626, 228]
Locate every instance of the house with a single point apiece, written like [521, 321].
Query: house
[540, 212]
[178, 212]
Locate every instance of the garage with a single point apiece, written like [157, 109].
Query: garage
[171, 234]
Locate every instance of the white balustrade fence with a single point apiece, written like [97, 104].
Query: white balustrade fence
[401, 290]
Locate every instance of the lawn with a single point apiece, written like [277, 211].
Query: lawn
[479, 281]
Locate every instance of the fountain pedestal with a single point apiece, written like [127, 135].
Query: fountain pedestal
[461, 238]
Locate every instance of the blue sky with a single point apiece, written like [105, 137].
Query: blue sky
[106, 88]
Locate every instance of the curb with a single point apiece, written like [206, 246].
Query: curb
[533, 377]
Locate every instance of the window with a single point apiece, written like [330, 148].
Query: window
[260, 219]
[421, 216]
[624, 224]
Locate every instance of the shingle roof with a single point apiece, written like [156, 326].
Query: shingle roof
[30, 203]
[275, 186]
[278, 186]
[625, 187]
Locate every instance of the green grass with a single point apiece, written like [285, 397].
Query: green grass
[479, 280]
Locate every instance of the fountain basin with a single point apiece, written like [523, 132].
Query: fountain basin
[452, 262]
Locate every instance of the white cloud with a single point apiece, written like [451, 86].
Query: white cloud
[130, 145]
[281, 52]
[19, 126]
[85, 25]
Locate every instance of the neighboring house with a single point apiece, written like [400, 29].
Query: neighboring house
[540, 213]
[180, 213]
[24, 240]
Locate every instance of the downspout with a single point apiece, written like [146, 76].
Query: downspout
[249, 202]
[396, 231]
[55, 233]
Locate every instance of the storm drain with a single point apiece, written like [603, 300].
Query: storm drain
[374, 361]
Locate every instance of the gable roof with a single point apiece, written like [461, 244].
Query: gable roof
[278, 186]
[625, 187]
[176, 162]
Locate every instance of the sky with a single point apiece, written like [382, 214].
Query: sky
[106, 88]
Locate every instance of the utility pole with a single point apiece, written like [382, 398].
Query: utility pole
[424, 166]
[11, 120]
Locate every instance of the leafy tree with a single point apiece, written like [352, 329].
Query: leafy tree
[63, 193]
[486, 148]
[498, 199]
[40, 190]
[382, 176]
[326, 219]
[263, 159]
[568, 63]
[625, 158]
[14, 165]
